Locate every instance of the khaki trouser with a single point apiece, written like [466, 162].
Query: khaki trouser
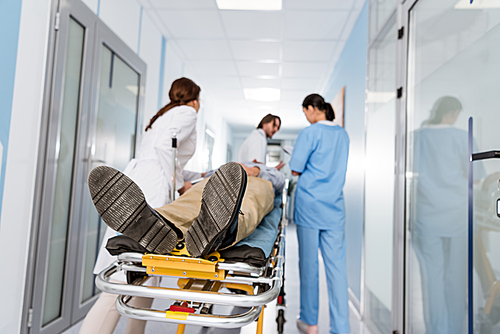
[258, 201]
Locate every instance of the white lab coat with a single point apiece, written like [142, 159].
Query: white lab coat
[153, 170]
[254, 147]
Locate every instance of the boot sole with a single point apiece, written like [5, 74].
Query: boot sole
[123, 207]
[220, 205]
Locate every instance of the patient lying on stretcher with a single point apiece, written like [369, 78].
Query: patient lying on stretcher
[214, 214]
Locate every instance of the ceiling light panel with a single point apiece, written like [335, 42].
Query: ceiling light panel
[242, 24]
[243, 50]
[264, 94]
[314, 25]
[249, 4]
[192, 24]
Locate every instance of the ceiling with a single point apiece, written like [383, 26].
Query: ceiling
[294, 49]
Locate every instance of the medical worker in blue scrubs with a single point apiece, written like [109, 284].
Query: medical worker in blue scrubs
[319, 158]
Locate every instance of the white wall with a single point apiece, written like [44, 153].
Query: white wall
[15, 227]
[150, 52]
[123, 17]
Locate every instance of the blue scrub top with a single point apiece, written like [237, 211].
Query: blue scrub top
[320, 154]
[441, 167]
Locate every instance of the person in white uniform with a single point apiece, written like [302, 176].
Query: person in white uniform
[153, 171]
[254, 148]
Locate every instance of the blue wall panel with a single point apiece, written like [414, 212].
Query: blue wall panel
[10, 16]
[350, 71]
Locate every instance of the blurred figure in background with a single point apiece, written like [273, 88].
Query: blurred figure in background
[439, 232]
[254, 148]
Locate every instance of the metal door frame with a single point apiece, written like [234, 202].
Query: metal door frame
[42, 218]
[399, 159]
[96, 33]
[402, 76]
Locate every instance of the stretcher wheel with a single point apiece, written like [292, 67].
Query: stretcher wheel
[280, 320]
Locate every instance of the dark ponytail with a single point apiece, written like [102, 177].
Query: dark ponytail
[441, 107]
[330, 114]
[317, 101]
[181, 92]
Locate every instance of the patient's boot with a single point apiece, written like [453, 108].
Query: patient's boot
[122, 205]
[216, 224]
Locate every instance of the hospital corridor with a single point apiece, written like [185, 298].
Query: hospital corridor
[249, 166]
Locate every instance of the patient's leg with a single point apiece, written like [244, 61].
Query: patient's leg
[257, 203]
[217, 221]
[184, 210]
[208, 224]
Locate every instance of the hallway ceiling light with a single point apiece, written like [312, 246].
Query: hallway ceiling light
[477, 4]
[262, 94]
[249, 4]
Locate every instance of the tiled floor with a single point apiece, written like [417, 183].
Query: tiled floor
[292, 310]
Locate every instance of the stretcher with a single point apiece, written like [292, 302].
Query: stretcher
[201, 283]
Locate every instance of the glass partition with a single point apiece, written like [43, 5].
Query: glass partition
[379, 180]
[114, 143]
[63, 162]
[452, 75]
[380, 11]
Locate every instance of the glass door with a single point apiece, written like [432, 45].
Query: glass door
[53, 283]
[112, 140]
[380, 178]
[453, 54]
[95, 95]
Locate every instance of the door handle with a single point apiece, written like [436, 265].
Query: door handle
[486, 155]
[498, 207]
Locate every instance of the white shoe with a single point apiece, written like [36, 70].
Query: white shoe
[302, 326]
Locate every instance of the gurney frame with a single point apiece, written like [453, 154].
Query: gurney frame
[200, 284]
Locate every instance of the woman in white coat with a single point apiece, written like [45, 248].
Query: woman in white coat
[153, 171]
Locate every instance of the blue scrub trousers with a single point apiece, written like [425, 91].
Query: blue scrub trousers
[332, 246]
[443, 266]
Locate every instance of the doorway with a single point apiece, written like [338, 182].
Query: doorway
[452, 66]
[95, 97]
